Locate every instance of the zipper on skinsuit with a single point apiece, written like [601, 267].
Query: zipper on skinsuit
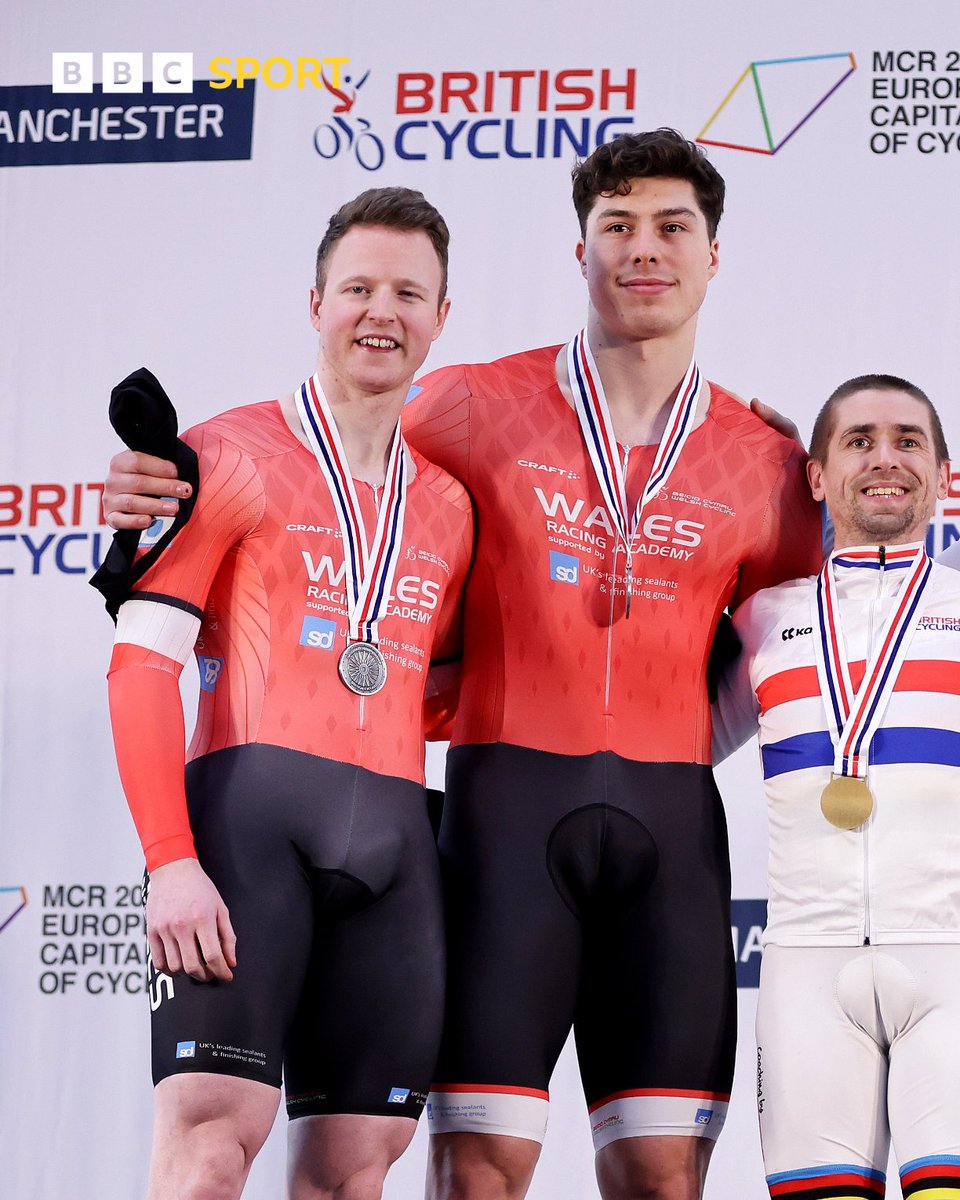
[874, 608]
[613, 600]
[363, 700]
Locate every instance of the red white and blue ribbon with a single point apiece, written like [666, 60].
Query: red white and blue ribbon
[854, 718]
[370, 567]
[596, 424]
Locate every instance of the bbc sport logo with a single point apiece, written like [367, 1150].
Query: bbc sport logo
[172, 71]
[72, 71]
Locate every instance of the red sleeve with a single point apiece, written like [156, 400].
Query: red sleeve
[147, 718]
[229, 503]
[790, 542]
[146, 710]
[437, 420]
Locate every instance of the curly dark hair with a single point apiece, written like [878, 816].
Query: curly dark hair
[395, 207]
[660, 152]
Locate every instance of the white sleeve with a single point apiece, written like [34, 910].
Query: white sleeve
[159, 627]
[737, 710]
[951, 556]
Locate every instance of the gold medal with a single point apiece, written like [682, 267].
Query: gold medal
[846, 802]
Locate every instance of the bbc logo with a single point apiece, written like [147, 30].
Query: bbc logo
[121, 71]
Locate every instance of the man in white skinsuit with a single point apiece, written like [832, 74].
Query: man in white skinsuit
[854, 679]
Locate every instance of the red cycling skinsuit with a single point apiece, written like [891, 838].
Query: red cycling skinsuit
[303, 801]
[858, 1012]
[583, 842]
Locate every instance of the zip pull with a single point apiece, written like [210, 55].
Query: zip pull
[629, 595]
[629, 583]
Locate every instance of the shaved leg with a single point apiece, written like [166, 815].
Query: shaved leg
[654, 1168]
[344, 1156]
[480, 1166]
[207, 1130]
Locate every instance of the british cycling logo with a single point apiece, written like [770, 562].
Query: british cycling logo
[479, 114]
[349, 135]
[51, 527]
[13, 900]
[773, 99]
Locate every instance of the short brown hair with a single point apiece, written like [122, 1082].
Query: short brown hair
[396, 208]
[660, 152]
[823, 425]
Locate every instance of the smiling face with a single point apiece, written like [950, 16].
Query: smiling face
[879, 476]
[380, 309]
[647, 259]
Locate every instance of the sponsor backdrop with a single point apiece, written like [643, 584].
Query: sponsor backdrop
[165, 176]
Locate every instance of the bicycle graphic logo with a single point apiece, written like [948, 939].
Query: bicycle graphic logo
[341, 134]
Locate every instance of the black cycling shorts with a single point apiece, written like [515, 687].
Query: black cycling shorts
[589, 891]
[330, 875]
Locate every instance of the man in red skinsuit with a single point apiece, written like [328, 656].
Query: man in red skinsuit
[320, 570]
[623, 503]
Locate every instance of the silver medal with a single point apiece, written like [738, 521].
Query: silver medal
[362, 668]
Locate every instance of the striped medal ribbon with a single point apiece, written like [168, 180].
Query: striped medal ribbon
[597, 427]
[854, 718]
[369, 568]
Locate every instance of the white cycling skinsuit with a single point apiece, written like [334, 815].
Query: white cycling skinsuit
[858, 1025]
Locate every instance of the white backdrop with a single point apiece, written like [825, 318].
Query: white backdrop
[838, 256]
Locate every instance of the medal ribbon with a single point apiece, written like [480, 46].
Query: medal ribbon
[597, 427]
[369, 568]
[855, 718]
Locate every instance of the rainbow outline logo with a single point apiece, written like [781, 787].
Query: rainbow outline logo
[752, 70]
[20, 907]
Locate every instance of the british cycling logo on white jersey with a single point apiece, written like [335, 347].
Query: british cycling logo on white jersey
[940, 624]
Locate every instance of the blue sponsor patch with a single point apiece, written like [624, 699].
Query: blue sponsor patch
[704, 1116]
[153, 533]
[210, 669]
[398, 1096]
[318, 633]
[564, 568]
[186, 1049]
